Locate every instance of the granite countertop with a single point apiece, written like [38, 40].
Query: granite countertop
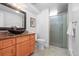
[6, 36]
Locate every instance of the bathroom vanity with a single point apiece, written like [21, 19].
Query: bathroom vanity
[17, 45]
[13, 20]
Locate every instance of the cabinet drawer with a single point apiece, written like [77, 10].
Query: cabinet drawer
[8, 42]
[22, 39]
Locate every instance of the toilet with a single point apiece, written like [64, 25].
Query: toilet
[40, 44]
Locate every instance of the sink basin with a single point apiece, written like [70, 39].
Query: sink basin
[16, 31]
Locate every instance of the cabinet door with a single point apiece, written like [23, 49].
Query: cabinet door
[10, 51]
[22, 49]
[32, 42]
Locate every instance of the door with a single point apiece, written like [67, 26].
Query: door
[58, 31]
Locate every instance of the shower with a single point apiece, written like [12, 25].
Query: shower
[58, 28]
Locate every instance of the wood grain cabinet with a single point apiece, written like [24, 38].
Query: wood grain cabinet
[18, 46]
[26, 46]
[10, 51]
[22, 49]
[32, 42]
[22, 45]
[8, 42]
[22, 39]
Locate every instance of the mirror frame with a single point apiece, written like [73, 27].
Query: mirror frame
[14, 8]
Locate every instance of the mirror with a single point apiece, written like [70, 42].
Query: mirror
[11, 17]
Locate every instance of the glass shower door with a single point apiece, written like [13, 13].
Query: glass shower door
[57, 31]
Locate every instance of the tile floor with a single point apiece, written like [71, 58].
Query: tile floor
[51, 51]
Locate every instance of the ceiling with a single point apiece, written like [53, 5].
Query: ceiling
[52, 6]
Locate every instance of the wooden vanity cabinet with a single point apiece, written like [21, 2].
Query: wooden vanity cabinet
[18, 46]
[26, 46]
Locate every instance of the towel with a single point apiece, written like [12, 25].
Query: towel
[70, 30]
